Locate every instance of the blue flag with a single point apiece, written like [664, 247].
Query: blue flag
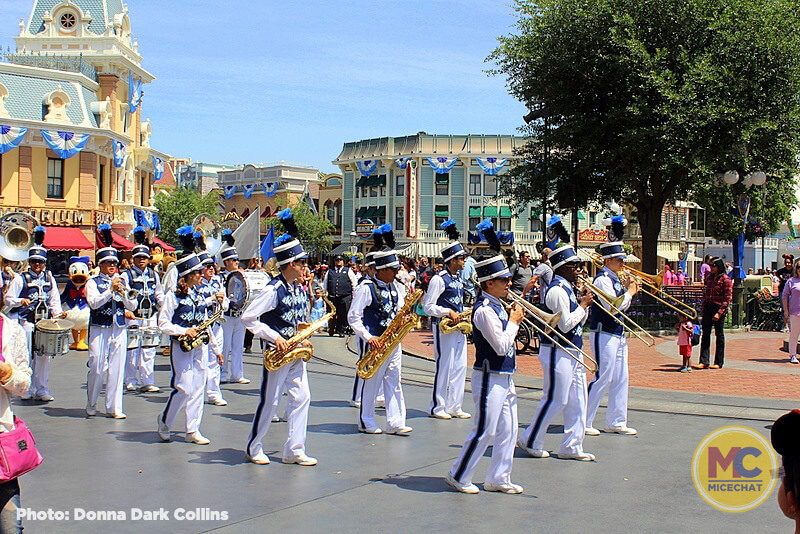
[266, 246]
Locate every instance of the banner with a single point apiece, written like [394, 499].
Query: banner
[491, 165]
[230, 190]
[248, 189]
[248, 236]
[442, 165]
[401, 162]
[65, 144]
[270, 188]
[135, 93]
[368, 166]
[120, 153]
[158, 166]
[11, 137]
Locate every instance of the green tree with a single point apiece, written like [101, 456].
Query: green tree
[647, 101]
[315, 230]
[180, 206]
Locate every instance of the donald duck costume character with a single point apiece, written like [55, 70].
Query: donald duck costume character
[73, 300]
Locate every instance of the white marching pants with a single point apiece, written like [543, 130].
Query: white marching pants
[213, 371]
[388, 376]
[564, 391]
[39, 364]
[293, 377]
[107, 346]
[612, 376]
[232, 348]
[495, 424]
[140, 362]
[358, 381]
[450, 351]
[188, 385]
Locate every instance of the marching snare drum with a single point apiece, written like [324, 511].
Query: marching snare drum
[51, 336]
[242, 287]
[134, 334]
[151, 338]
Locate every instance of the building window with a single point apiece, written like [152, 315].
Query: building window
[399, 218]
[592, 218]
[442, 183]
[400, 185]
[101, 184]
[337, 206]
[475, 184]
[68, 21]
[142, 190]
[373, 191]
[55, 178]
[536, 225]
[473, 222]
[489, 185]
[442, 213]
[505, 224]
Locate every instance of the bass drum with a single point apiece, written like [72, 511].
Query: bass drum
[242, 287]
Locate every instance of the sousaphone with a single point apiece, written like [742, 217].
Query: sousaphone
[16, 235]
[212, 233]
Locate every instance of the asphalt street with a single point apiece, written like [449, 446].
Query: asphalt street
[363, 482]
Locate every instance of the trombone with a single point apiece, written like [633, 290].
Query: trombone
[549, 322]
[651, 284]
[614, 303]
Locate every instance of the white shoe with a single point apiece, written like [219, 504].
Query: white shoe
[380, 403]
[591, 431]
[581, 457]
[118, 415]
[510, 488]
[130, 387]
[460, 414]
[371, 430]
[150, 388]
[91, 411]
[400, 430]
[355, 404]
[300, 459]
[26, 396]
[242, 380]
[197, 437]
[621, 430]
[536, 453]
[441, 415]
[470, 489]
[275, 419]
[219, 402]
[260, 458]
[163, 430]
[45, 398]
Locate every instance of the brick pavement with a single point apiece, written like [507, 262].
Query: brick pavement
[756, 365]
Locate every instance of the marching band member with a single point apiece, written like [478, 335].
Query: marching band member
[232, 328]
[375, 304]
[494, 330]
[609, 344]
[445, 298]
[143, 279]
[275, 315]
[183, 311]
[564, 378]
[211, 289]
[33, 296]
[107, 295]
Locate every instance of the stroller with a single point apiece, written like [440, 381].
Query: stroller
[768, 314]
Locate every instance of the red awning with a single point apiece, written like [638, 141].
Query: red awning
[119, 242]
[166, 246]
[63, 238]
[266, 213]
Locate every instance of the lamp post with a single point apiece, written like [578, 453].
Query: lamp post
[353, 247]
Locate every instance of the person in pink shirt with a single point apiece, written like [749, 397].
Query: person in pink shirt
[680, 278]
[791, 309]
[685, 330]
[669, 276]
[705, 268]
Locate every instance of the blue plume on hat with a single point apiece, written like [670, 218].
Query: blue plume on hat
[287, 219]
[617, 228]
[105, 234]
[486, 228]
[227, 236]
[38, 235]
[187, 238]
[139, 235]
[388, 235]
[449, 227]
[377, 239]
[199, 241]
[283, 238]
[554, 222]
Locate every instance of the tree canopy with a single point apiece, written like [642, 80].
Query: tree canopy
[180, 206]
[315, 230]
[647, 101]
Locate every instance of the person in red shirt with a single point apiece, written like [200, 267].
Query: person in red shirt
[716, 300]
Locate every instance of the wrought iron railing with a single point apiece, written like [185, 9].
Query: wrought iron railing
[66, 63]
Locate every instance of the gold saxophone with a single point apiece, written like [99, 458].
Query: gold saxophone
[188, 343]
[464, 323]
[274, 359]
[403, 323]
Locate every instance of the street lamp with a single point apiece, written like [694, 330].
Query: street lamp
[758, 179]
[353, 247]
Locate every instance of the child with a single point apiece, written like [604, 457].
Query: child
[318, 310]
[685, 329]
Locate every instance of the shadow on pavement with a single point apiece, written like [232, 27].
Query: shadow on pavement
[225, 456]
[56, 411]
[330, 404]
[782, 360]
[150, 436]
[334, 428]
[417, 483]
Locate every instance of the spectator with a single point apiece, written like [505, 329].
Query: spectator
[680, 278]
[521, 273]
[426, 275]
[785, 437]
[338, 284]
[124, 265]
[716, 299]
[705, 268]
[685, 330]
[422, 267]
[749, 271]
[469, 277]
[542, 276]
[782, 275]
[790, 299]
[669, 276]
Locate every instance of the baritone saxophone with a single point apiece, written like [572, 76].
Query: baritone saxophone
[403, 323]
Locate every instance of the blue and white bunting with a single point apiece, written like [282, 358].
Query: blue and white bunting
[248, 189]
[270, 188]
[491, 166]
[120, 153]
[230, 190]
[158, 168]
[11, 137]
[65, 144]
[402, 163]
[442, 165]
[135, 93]
[368, 166]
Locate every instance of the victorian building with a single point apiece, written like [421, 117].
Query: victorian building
[330, 204]
[74, 148]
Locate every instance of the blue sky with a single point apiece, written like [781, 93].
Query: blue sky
[261, 81]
